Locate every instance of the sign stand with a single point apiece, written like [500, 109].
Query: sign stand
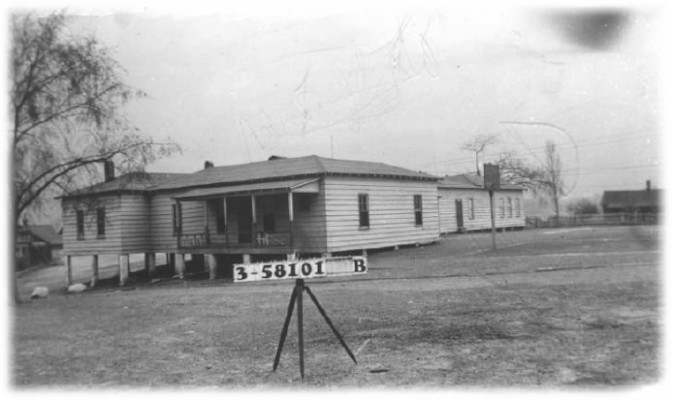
[492, 183]
[297, 296]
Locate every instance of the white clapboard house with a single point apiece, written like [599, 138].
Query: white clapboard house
[464, 205]
[308, 205]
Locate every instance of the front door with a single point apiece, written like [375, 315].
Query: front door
[459, 215]
[242, 206]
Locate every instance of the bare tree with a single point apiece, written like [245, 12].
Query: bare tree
[477, 144]
[545, 178]
[66, 95]
[582, 206]
[554, 184]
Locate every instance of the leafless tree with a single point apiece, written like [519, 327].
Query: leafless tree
[582, 206]
[554, 184]
[66, 93]
[545, 178]
[477, 144]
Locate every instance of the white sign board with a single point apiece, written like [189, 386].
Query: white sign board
[300, 269]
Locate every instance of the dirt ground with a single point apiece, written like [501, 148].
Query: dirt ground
[565, 308]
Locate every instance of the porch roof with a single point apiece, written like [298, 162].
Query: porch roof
[295, 186]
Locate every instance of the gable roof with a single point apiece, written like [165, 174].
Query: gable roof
[630, 198]
[471, 181]
[45, 233]
[289, 168]
[131, 182]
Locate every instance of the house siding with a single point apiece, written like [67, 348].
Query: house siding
[161, 212]
[391, 213]
[482, 209]
[309, 225]
[91, 243]
[135, 219]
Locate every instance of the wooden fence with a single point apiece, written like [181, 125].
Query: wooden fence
[594, 219]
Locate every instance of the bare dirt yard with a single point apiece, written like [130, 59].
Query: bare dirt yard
[560, 308]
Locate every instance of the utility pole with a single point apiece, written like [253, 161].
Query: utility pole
[492, 183]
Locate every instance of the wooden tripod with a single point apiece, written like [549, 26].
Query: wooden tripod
[297, 296]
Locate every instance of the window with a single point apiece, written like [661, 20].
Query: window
[100, 221]
[502, 207]
[80, 224]
[363, 207]
[418, 209]
[470, 205]
[518, 206]
[509, 207]
[177, 218]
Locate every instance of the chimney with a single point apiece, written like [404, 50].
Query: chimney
[208, 164]
[647, 185]
[109, 170]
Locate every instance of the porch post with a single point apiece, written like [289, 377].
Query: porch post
[205, 222]
[290, 206]
[150, 264]
[211, 263]
[178, 217]
[123, 269]
[94, 270]
[254, 219]
[68, 271]
[226, 223]
[180, 265]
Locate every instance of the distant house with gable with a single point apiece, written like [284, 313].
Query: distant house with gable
[647, 201]
[37, 244]
[465, 206]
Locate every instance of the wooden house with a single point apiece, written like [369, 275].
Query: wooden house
[36, 244]
[464, 205]
[647, 201]
[279, 207]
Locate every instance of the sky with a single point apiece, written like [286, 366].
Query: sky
[401, 84]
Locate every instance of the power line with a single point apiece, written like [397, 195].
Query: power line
[613, 140]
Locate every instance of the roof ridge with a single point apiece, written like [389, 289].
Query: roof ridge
[320, 163]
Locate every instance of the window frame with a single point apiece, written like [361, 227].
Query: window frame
[100, 222]
[79, 224]
[517, 205]
[470, 205]
[363, 211]
[509, 207]
[501, 206]
[177, 218]
[418, 210]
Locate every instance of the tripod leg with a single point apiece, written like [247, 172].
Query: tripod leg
[300, 324]
[283, 333]
[331, 325]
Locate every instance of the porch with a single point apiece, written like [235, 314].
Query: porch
[245, 219]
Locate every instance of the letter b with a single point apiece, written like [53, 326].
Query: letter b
[359, 265]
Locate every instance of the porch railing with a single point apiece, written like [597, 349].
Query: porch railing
[194, 240]
[233, 240]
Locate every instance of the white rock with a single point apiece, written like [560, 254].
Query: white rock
[76, 288]
[39, 291]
